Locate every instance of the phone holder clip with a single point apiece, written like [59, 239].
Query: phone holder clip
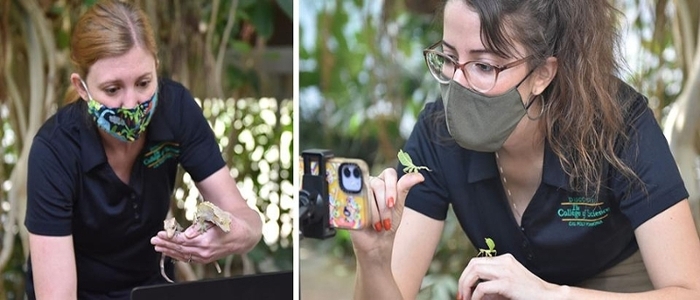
[313, 196]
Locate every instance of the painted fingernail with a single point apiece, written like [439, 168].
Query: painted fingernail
[390, 202]
[459, 296]
[378, 226]
[387, 224]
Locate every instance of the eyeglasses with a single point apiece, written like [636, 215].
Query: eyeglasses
[480, 76]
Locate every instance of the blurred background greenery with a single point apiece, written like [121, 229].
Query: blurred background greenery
[363, 83]
[235, 56]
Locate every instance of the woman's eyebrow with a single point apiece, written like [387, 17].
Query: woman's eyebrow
[482, 51]
[121, 81]
[447, 45]
[472, 52]
[145, 75]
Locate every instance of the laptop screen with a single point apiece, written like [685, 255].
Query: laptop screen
[278, 285]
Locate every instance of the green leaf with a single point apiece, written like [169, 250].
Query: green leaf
[260, 17]
[241, 47]
[62, 39]
[355, 123]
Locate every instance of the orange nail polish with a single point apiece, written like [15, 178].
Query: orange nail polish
[378, 226]
[387, 224]
[459, 296]
[390, 202]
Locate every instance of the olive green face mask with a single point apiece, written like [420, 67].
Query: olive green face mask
[479, 122]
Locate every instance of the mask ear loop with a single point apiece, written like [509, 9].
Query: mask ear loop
[530, 102]
[86, 89]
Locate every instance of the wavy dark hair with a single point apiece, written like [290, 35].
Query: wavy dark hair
[584, 115]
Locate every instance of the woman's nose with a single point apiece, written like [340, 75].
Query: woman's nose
[131, 99]
[460, 78]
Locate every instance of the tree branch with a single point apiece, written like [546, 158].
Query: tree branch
[223, 43]
[684, 20]
[18, 173]
[681, 128]
[14, 96]
[211, 27]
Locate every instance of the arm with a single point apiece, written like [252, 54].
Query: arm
[200, 156]
[51, 180]
[669, 245]
[246, 226]
[671, 250]
[209, 245]
[413, 249]
[404, 247]
[53, 267]
[415, 243]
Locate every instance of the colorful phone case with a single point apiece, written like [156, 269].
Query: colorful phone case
[347, 193]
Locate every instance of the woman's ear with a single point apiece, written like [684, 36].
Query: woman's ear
[544, 75]
[78, 86]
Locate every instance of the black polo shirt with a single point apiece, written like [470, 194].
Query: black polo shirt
[72, 190]
[565, 236]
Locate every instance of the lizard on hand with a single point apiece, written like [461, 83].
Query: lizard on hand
[205, 212]
[172, 228]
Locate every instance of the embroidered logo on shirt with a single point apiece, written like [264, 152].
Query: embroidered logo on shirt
[160, 153]
[583, 212]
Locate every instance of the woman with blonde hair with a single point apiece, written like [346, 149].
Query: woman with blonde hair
[102, 170]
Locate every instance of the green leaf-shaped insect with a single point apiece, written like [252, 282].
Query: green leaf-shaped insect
[491, 251]
[407, 162]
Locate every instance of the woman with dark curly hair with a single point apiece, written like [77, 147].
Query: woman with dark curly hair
[539, 147]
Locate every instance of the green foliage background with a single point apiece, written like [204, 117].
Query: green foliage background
[250, 109]
[362, 85]
[363, 82]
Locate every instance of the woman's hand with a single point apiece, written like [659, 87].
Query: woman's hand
[501, 277]
[206, 247]
[246, 225]
[389, 197]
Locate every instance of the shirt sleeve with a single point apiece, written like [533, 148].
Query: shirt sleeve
[201, 155]
[430, 197]
[649, 156]
[50, 190]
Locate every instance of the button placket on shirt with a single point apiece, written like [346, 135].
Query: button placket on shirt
[135, 205]
[135, 185]
[526, 245]
[526, 249]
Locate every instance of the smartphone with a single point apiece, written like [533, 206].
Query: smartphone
[348, 194]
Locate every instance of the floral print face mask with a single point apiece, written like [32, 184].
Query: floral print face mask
[125, 124]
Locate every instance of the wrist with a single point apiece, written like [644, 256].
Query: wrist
[374, 260]
[560, 292]
[246, 231]
[375, 257]
[254, 233]
[374, 279]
